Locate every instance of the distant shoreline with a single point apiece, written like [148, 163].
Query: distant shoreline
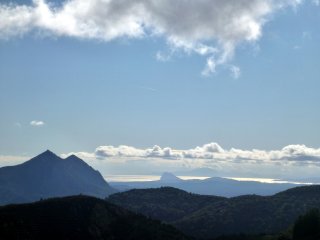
[148, 178]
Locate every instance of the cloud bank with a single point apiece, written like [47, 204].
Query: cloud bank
[211, 151]
[210, 28]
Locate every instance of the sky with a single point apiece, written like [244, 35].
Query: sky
[144, 86]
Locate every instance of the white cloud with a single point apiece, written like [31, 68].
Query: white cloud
[210, 28]
[83, 155]
[210, 67]
[9, 160]
[15, 20]
[36, 123]
[121, 151]
[210, 151]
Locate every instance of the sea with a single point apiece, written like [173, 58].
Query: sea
[145, 178]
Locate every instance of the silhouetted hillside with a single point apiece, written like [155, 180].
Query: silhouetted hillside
[167, 204]
[79, 217]
[307, 227]
[209, 216]
[48, 175]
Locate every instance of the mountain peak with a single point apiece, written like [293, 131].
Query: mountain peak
[48, 175]
[47, 159]
[47, 155]
[72, 156]
[76, 160]
[169, 177]
[48, 152]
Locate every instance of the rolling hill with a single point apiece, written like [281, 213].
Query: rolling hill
[210, 216]
[79, 217]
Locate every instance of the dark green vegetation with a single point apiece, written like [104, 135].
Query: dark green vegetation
[48, 175]
[209, 216]
[79, 217]
[83, 217]
[307, 227]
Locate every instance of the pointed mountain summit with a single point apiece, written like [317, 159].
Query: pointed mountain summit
[48, 153]
[46, 157]
[47, 175]
[167, 177]
[73, 158]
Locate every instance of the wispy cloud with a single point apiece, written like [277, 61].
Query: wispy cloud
[35, 123]
[316, 2]
[9, 160]
[296, 47]
[210, 28]
[235, 71]
[209, 68]
[18, 124]
[163, 57]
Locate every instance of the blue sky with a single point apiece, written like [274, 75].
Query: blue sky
[86, 91]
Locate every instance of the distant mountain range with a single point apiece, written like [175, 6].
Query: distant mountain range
[217, 186]
[210, 216]
[80, 217]
[48, 175]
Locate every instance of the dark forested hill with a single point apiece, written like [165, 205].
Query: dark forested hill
[209, 216]
[166, 203]
[79, 217]
[48, 175]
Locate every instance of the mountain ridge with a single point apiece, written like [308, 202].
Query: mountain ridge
[79, 217]
[248, 214]
[47, 175]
